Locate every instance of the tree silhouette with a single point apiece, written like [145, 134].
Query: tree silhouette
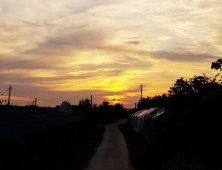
[84, 103]
[105, 103]
[191, 122]
[217, 64]
[180, 88]
[1, 102]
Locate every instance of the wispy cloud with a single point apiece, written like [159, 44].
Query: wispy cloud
[107, 46]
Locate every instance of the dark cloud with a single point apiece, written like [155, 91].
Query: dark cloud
[188, 57]
[32, 23]
[15, 78]
[131, 63]
[85, 5]
[8, 28]
[67, 44]
[40, 62]
[134, 42]
[23, 64]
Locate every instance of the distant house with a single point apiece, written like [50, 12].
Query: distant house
[65, 107]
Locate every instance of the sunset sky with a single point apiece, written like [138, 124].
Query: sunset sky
[57, 50]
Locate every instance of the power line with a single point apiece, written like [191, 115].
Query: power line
[131, 94]
[35, 97]
[95, 99]
[48, 100]
[5, 92]
[17, 94]
[23, 93]
[20, 94]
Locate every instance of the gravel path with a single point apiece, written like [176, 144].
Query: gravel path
[112, 153]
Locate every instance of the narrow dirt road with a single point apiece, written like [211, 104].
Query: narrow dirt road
[112, 153]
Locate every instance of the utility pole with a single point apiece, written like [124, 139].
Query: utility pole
[141, 92]
[91, 101]
[10, 88]
[35, 101]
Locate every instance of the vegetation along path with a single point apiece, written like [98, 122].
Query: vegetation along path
[112, 153]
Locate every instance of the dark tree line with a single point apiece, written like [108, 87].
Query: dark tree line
[188, 136]
[148, 102]
[183, 93]
[103, 113]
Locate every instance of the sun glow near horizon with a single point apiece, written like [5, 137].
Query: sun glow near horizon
[72, 50]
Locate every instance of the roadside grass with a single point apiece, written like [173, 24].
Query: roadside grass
[92, 139]
[70, 152]
[75, 154]
[172, 144]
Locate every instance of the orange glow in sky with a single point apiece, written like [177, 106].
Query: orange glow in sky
[68, 50]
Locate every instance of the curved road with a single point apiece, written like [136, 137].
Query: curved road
[112, 153]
